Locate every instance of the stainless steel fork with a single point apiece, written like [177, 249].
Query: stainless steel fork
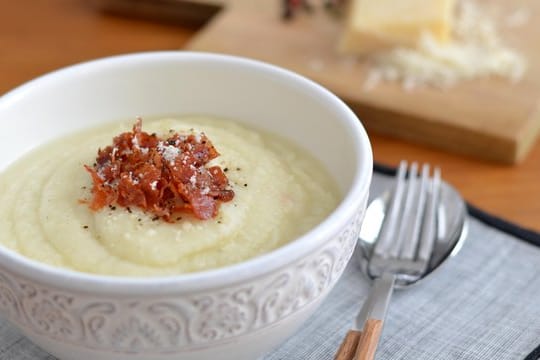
[401, 254]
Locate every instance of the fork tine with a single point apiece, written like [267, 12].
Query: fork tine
[411, 229]
[407, 217]
[427, 239]
[388, 229]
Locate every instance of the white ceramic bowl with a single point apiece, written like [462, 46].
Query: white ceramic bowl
[236, 312]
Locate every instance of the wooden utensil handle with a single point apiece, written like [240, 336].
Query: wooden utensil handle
[347, 349]
[367, 345]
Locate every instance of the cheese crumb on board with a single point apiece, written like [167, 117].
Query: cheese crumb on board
[475, 50]
[518, 17]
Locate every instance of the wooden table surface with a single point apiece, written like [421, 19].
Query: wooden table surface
[37, 36]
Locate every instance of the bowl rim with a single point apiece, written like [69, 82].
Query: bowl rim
[218, 277]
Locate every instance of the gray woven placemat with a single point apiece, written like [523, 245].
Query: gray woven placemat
[483, 304]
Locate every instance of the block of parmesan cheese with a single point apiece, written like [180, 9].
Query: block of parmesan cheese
[378, 24]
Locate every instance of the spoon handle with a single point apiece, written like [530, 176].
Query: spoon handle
[361, 345]
[347, 349]
[367, 345]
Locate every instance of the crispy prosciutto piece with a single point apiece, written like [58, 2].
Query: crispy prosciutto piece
[160, 176]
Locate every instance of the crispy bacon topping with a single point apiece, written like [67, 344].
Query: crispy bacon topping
[159, 176]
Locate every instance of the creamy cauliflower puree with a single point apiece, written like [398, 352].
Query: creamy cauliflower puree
[280, 193]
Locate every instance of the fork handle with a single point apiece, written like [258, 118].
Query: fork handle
[372, 314]
[367, 345]
[347, 349]
[361, 345]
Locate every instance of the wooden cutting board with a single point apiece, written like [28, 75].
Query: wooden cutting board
[488, 118]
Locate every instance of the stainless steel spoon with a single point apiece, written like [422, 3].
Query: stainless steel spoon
[377, 250]
[452, 228]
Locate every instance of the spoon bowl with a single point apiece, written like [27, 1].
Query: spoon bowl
[452, 229]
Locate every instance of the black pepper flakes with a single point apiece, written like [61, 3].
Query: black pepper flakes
[85, 227]
[245, 185]
[155, 218]
[226, 169]
[238, 169]
[129, 210]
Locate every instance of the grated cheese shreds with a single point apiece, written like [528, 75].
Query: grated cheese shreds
[475, 51]
[518, 18]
